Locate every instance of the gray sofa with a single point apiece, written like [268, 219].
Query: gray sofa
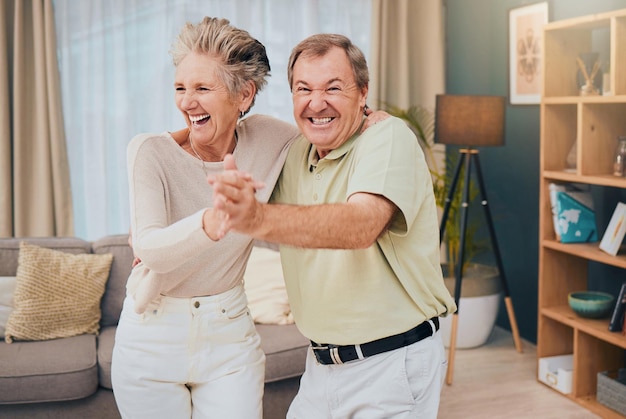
[71, 377]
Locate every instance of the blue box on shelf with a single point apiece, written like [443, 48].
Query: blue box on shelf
[576, 221]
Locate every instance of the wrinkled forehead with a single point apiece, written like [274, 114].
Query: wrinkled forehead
[323, 69]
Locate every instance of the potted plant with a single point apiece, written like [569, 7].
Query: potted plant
[480, 291]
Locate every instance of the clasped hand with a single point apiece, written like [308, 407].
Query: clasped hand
[234, 199]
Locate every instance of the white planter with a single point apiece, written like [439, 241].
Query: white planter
[478, 307]
[477, 316]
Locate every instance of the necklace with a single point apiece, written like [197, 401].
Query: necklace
[197, 155]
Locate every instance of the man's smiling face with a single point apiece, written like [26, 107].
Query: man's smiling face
[327, 104]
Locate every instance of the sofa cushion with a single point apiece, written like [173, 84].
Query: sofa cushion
[113, 299]
[285, 351]
[57, 294]
[106, 340]
[265, 288]
[10, 249]
[51, 370]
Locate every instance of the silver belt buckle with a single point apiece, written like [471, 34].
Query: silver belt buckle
[359, 352]
[319, 347]
[334, 355]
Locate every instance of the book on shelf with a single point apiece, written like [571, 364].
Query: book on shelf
[616, 323]
[573, 214]
[614, 234]
[554, 188]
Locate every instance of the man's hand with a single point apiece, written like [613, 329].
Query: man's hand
[234, 197]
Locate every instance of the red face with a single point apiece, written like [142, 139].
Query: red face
[327, 104]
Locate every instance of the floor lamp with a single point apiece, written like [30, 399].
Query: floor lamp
[471, 121]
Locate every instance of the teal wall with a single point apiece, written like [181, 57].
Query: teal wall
[477, 63]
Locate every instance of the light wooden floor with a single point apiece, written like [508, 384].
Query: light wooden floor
[495, 381]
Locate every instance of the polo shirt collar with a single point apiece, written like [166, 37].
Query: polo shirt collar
[336, 153]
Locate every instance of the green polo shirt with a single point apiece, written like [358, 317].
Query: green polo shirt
[356, 296]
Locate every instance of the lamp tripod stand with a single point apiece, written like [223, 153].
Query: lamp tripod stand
[470, 155]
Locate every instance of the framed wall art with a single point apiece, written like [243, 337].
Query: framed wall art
[525, 44]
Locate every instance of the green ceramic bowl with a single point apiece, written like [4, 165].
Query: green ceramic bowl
[591, 304]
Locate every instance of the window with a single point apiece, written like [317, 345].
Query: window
[117, 79]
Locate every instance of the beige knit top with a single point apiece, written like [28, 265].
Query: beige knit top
[168, 195]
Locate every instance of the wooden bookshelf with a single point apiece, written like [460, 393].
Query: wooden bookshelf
[591, 124]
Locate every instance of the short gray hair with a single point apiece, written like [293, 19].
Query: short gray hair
[318, 45]
[241, 58]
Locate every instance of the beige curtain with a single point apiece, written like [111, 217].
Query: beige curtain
[408, 53]
[35, 195]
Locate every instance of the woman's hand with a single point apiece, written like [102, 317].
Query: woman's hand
[373, 117]
[234, 199]
[136, 260]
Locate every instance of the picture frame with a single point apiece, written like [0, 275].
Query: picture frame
[525, 52]
[615, 231]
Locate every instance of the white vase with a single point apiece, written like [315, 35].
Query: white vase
[478, 307]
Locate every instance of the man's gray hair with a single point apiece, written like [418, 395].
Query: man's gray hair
[319, 45]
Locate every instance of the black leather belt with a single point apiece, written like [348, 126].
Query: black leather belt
[334, 354]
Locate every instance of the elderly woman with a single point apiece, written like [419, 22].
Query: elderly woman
[186, 344]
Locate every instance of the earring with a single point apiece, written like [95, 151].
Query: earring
[241, 114]
[365, 108]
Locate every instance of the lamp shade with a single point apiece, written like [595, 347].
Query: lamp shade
[474, 121]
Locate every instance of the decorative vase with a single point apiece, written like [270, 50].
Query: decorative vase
[571, 158]
[478, 308]
[619, 165]
[589, 76]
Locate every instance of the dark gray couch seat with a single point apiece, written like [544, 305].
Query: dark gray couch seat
[50, 370]
[285, 351]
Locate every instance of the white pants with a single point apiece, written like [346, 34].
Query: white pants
[403, 383]
[193, 357]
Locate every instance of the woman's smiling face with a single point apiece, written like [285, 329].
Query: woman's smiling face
[211, 111]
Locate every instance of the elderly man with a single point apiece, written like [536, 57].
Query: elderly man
[355, 216]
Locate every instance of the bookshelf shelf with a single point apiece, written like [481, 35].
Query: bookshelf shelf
[590, 125]
[588, 251]
[592, 327]
[600, 180]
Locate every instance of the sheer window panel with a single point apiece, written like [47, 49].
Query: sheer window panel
[117, 79]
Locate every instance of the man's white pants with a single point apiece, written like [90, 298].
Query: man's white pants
[193, 357]
[403, 383]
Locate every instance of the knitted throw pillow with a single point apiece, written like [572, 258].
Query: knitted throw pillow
[57, 294]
